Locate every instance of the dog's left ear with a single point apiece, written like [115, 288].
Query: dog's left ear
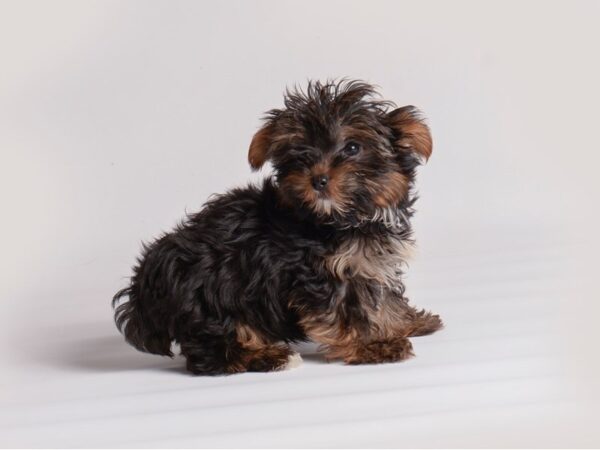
[411, 131]
[259, 151]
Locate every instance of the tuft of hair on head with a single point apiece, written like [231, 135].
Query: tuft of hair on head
[322, 101]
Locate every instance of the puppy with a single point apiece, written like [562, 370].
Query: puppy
[314, 253]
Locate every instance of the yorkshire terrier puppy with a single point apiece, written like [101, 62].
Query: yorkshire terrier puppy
[314, 253]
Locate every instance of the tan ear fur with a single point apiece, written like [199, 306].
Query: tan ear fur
[258, 153]
[412, 131]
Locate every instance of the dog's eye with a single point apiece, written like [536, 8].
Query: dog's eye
[351, 148]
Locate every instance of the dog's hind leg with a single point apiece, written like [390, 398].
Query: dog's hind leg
[209, 354]
[263, 355]
[234, 351]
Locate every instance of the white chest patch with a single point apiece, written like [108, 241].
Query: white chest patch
[379, 260]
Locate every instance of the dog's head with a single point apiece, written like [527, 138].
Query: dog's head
[340, 152]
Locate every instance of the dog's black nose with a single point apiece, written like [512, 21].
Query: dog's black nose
[320, 181]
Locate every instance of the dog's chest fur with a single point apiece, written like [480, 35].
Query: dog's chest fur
[372, 258]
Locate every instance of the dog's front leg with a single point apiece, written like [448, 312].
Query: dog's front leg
[355, 344]
[361, 329]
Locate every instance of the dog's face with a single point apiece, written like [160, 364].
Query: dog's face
[340, 153]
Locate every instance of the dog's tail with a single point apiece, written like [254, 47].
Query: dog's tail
[136, 326]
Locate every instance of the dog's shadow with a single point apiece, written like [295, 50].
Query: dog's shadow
[94, 347]
[110, 353]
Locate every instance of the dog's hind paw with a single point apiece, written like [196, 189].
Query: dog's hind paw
[294, 360]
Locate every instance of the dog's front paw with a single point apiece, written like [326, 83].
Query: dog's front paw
[425, 323]
[381, 352]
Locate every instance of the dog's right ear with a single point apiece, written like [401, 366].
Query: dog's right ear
[259, 151]
[412, 133]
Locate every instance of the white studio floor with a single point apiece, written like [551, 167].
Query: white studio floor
[496, 376]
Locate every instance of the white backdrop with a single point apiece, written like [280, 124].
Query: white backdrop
[117, 117]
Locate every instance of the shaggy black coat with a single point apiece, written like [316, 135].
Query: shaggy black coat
[253, 271]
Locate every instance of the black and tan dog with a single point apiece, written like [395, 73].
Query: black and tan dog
[314, 253]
